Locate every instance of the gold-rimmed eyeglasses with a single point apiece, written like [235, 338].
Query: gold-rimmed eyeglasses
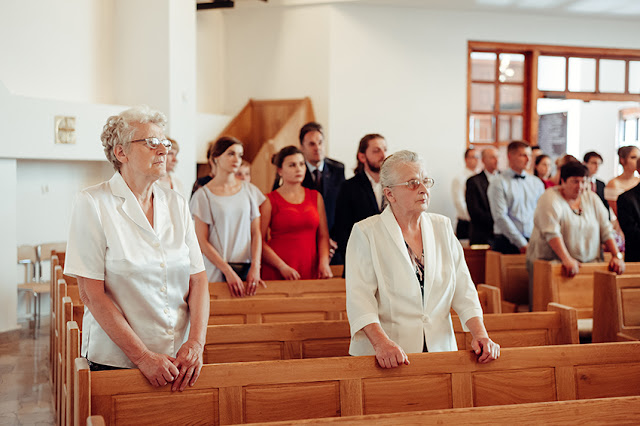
[154, 142]
[413, 184]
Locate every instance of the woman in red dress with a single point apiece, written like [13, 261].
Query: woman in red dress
[295, 219]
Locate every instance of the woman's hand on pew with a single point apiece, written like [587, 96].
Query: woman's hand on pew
[570, 266]
[616, 265]
[157, 368]
[390, 355]
[486, 349]
[324, 271]
[236, 286]
[253, 279]
[189, 361]
[288, 273]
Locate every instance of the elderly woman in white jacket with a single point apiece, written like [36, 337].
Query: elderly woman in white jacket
[406, 270]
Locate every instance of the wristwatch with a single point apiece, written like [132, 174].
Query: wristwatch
[619, 255]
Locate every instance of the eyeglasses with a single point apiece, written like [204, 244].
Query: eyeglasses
[154, 143]
[413, 184]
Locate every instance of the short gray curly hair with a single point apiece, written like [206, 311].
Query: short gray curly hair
[389, 169]
[119, 129]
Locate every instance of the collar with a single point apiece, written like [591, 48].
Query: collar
[131, 207]
[511, 173]
[312, 167]
[373, 182]
[491, 175]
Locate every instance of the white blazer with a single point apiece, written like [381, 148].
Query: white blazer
[382, 286]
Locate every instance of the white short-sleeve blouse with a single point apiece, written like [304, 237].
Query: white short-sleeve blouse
[145, 270]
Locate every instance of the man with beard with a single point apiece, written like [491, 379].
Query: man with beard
[361, 196]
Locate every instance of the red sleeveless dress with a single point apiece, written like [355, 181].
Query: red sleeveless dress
[294, 230]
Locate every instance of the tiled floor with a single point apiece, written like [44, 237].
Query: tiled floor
[25, 394]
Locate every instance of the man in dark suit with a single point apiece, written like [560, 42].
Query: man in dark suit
[629, 219]
[361, 196]
[593, 161]
[481, 230]
[323, 174]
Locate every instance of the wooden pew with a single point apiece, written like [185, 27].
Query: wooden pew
[71, 353]
[286, 288]
[337, 270]
[615, 411]
[256, 310]
[509, 273]
[352, 386]
[321, 339]
[616, 306]
[70, 305]
[289, 309]
[551, 285]
[475, 256]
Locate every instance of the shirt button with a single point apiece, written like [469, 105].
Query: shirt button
[163, 289]
[166, 310]
[156, 245]
[171, 332]
[425, 319]
[162, 265]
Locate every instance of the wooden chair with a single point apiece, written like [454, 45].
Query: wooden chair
[352, 386]
[509, 273]
[616, 306]
[27, 256]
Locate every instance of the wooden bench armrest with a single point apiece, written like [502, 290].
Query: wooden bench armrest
[568, 333]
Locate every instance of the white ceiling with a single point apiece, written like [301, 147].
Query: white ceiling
[609, 9]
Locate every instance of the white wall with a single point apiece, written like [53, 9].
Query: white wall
[403, 72]
[8, 252]
[57, 49]
[277, 53]
[210, 59]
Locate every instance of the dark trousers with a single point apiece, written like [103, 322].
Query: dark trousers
[462, 229]
[501, 244]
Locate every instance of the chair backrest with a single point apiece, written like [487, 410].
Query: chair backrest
[44, 250]
[27, 256]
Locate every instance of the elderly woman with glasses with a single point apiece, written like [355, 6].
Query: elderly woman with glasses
[133, 248]
[405, 272]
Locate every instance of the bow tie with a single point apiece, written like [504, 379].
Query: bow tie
[519, 176]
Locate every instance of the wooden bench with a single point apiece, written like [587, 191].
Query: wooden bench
[475, 256]
[71, 308]
[616, 306]
[288, 309]
[256, 310]
[321, 339]
[509, 273]
[616, 411]
[286, 288]
[351, 386]
[550, 284]
[337, 270]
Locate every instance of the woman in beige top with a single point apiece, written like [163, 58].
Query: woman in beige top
[570, 223]
[628, 156]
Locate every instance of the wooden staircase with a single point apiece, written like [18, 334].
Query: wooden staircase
[265, 127]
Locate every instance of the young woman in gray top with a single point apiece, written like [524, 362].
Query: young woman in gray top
[227, 221]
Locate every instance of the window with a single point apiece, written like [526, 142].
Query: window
[505, 82]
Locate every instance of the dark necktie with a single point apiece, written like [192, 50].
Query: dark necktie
[317, 178]
[519, 176]
[593, 187]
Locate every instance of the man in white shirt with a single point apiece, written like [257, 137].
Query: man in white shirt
[361, 196]
[458, 189]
